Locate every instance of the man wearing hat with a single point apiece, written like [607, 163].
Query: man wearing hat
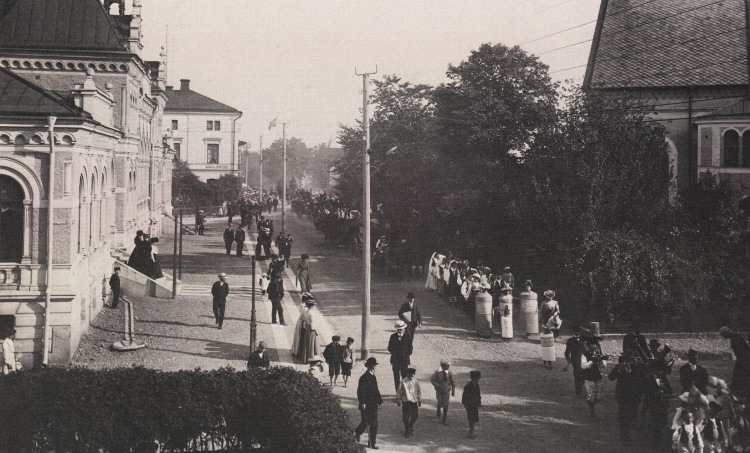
[574, 348]
[239, 238]
[592, 364]
[259, 357]
[445, 387]
[229, 238]
[220, 291]
[370, 401]
[400, 347]
[334, 353]
[692, 374]
[114, 284]
[472, 400]
[631, 381]
[409, 313]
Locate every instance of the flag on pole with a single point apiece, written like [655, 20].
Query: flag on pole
[272, 123]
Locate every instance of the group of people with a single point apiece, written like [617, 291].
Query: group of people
[232, 236]
[144, 257]
[284, 246]
[710, 416]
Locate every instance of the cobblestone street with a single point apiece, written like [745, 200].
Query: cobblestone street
[526, 407]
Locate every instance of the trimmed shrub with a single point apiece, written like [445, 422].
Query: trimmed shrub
[143, 410]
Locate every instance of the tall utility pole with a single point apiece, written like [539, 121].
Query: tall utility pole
[260, 190]
[366, 212]
[283, 188]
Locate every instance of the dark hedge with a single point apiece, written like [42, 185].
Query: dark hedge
[143, 410]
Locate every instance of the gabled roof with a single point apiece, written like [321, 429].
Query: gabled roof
[20, 97]
[188, 100]
[669, 43]
[58, 25]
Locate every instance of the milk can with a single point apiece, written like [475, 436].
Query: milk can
[529, 310]
[547, 342]
[483, 312]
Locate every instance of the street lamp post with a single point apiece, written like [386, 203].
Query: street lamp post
[283, 188]
[253, 323]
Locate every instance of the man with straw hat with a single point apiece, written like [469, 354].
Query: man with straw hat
[400, 347]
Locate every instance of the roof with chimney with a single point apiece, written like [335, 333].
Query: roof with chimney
[669, 43]
[21, 97]
[60, 25]
[187, 100]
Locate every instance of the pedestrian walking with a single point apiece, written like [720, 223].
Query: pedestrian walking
[288, 241]
[370, 402]
[239, 238]
[259, 357]
[347, 361]
[200, 222]
[592, 364]
[549, 312]
[220, 291]
[400, 347]
[631, 380]
[334, 353]
[445, 387]
[114, 285]
[299, 326]
[574, 349]
[472, 400]
[229, 238]
[409, 313]
[303, 274]
[275, 295]
[155, 267]
[409, 399]
[312, 321]
[276, 268]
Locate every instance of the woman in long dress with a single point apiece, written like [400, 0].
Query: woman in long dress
[156, 272]
[312, 322]
[303, 275]
[550, 313]
[299, 326]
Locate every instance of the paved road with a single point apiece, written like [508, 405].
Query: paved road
[526, 407]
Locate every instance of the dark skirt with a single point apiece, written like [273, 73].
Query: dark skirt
[472, 413]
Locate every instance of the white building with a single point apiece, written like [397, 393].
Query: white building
[204, 132]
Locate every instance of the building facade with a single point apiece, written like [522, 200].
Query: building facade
[81, 137]
[686, 63]
[204, 132]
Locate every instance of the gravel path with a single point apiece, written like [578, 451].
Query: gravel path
[526, 407]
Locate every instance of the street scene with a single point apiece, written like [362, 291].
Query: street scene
[400, 226]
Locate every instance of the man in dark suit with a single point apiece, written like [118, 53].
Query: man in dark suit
[400, 348]
[370, 402]
[259, 357]
[692, 374]
[114, 284]
[229, 239]
[239, 238]
[220, 291]
[409, 313]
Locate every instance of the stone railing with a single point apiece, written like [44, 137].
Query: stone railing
[19, 277]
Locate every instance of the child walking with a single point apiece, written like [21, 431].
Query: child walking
[334, 353]
[472, 400]
[347, 361]
[442, 381]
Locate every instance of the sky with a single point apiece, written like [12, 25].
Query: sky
[295, 60]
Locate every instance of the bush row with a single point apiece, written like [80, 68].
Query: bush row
[143, 410]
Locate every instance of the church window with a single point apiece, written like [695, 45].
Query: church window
[731, 148]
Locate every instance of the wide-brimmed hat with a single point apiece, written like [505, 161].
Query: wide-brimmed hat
[222, 274]
[475, 374]
[400, 325]
[370, 363]
[549, 294]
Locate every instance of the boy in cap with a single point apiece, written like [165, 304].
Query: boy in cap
[333, 353]
[472, 400]
[409, 399]
[442, 381]
[347, 361]
[370, 401]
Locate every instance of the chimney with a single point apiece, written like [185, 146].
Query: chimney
[184, 84]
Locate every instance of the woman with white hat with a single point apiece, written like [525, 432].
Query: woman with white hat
[549, 313]
[312, 321]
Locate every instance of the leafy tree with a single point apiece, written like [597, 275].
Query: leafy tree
[495, 103]
[188, 191]
[226, 188]
[297, 156]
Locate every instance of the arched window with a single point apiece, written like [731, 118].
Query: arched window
[731, 149]
[746, 149]
[92, 214]
[81, 196]
[11, 220]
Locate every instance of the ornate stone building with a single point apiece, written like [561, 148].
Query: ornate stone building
[81, 136]
[687, 62]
